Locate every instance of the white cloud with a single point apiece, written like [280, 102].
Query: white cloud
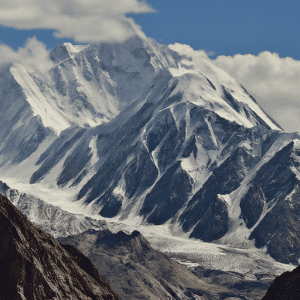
[83, 20]
[34, 56]
[188, 51]
[274, 81]
[198, 60]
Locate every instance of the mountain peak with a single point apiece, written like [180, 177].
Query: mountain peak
[65, 51]
[133, 240]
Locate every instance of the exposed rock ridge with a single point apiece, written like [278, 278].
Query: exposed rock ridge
[34, 266]
[286, 286]
[137, 271]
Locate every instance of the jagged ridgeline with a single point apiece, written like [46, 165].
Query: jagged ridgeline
[142, 132]
[137, 271]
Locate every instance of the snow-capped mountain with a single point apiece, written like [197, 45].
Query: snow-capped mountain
[149, 134]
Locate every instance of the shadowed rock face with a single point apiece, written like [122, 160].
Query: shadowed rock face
[33, 265]
[286, 286]
[276, 187]
[135, 270]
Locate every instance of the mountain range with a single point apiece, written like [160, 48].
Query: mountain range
[127, 263]
[50, 218]
[148, 134]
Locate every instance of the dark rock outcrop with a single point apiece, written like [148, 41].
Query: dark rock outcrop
[33, 265]
[286, 286]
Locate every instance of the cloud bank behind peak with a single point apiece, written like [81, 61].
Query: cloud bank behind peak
[273, 80]
[33, 56]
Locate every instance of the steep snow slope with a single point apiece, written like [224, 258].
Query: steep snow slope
[148, 134]
[22, 131]
[50, 218]
[42, 106]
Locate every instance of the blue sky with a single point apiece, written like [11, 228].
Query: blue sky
[257, 41]
[227, 27]
[218, 26]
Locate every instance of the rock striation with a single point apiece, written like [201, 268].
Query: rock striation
[34, 266]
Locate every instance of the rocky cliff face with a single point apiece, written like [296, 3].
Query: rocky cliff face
[135, 270]
[33, 265]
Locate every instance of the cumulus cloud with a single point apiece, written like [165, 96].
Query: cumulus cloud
[273, 80]
[34, 56]
[196, 60]
[188, 51]
[83, 20]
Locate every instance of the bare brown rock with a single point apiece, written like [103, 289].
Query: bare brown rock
[34, 266]
[137, 271]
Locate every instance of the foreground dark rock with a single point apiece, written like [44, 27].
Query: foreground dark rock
[137, 271]
[286, 286]
[34, 266]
